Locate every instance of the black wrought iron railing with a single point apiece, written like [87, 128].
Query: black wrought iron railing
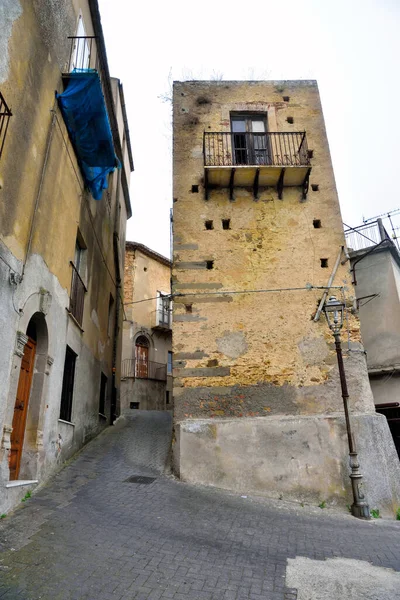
[144, 369]
[226, 149]
[83, 53]
[77, 297]
[5, 114]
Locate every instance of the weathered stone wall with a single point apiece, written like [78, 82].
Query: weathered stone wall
[266, 342]
[259, 354]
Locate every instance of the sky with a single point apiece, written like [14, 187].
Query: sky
[351, 47]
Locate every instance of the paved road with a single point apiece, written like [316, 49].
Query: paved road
[90, 534]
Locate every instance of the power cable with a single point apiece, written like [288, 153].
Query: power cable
[231, 292]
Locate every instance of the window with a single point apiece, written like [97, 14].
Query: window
[142, 357]
[78, 288]
[102, 399]
[249, 140]
[226, 223]
[5, 114]
[163, 309]
[68, 385]
[110, 315]
[169, 367]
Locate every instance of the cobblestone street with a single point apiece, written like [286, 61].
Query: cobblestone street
[91, 534]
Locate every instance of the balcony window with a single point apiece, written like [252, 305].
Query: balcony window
[249, 140]
[5, 114]
[142, 357]
[78, 288]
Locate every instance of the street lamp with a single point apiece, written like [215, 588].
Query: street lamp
[334, 310]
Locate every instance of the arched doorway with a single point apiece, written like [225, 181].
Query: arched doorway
[142, 357]
[27, 408]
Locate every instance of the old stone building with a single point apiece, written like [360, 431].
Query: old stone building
[65, 163]
[147, 337]
[257, 235]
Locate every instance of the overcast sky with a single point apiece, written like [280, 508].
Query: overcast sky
[352, 48]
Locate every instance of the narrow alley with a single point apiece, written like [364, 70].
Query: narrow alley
[93, 533]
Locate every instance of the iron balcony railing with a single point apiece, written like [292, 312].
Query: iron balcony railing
[5, 114]
[144, 369]
[83, 54]
[366, 235]
[77, 298]
[227, 149]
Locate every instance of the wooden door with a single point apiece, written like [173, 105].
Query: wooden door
[21, 408]
[142, 362]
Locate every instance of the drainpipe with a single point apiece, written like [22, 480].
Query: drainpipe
[117, 302]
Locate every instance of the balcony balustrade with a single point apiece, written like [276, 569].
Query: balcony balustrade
[144, 369]
[255, 160]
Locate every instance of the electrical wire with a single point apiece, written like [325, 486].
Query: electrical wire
[231, 292]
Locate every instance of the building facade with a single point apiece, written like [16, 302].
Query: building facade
[147, 337]
[375, 267]
[64, 203]
[257, 236]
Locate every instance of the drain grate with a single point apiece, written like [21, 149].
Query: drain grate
[140, 479]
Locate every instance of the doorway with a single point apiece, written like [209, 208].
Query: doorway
[142, 358]
[21, 408]
[250, 140]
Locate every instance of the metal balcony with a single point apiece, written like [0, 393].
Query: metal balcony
[255, 160]
[140, 369]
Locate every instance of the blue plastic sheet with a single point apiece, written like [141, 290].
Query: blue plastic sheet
[85, 115]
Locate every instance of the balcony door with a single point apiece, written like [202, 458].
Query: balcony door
[142, 358]
[249, 140]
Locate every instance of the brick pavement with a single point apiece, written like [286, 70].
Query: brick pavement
[89, 534]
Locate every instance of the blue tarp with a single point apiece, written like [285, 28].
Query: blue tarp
[85, 115]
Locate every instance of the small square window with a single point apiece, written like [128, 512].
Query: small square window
[189, 308]
[317, 224]
[209, 225]
[290, 120]
[226, 223]
[324, 263]
[315, 187]
[195, 189]
[209, 264]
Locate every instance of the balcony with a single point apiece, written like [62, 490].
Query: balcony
[5, 114]
[132, 368]
[366, 236]
[84, 110]
[255, 160]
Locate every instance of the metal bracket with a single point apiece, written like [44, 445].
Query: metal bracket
[231, 184]
[279, 185]
[306, 184]
[206, 186]
[255, 184]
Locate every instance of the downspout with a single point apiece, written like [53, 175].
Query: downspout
[117, 303]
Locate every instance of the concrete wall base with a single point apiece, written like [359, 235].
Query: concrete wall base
[304, 459]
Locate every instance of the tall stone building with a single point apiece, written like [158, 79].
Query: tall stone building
[257, 235]
[65, 164]
[147, 336]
